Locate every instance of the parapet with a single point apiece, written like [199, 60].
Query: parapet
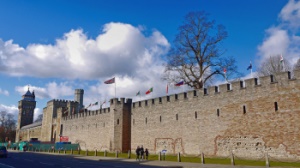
[236, 86]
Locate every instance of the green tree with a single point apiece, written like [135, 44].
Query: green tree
[196, 56]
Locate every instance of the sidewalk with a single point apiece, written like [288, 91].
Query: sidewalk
[168, 164]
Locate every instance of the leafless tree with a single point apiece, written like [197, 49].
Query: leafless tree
[7, 126]
[197, 57]
[297, 65]
[39, 118]
[274, 65]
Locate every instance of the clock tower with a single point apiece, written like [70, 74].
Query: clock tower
[26, 111]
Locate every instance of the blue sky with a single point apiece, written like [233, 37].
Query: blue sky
[56, 46]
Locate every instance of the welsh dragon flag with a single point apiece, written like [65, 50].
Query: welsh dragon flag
[149, 91]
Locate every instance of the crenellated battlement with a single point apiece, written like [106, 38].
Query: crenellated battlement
[88, 113]
[226, 90]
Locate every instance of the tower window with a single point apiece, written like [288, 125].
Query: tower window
[244, 109]
[159, 118]
[118, 121]
[276, 106]
[196, 114]
[176, 116]
[146, 120]
[218, 112]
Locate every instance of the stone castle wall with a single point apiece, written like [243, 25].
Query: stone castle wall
[248, 118]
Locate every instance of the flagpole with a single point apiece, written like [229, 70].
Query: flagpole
[115, 88]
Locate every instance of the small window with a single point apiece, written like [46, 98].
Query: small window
[168, 98]
[228, 87]
[244, 109]
[118, 121]
[196, 115]
[205, 91]
[289, 75]
[159, 118]
[146, 120]
[276, 106]
[241, 84]
[272, 78]
[216, 89]
[218, 112]
[255, 81]
[176, 116]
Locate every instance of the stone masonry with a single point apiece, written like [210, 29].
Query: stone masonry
[248, 118]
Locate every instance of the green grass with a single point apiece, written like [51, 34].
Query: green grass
[191, 159]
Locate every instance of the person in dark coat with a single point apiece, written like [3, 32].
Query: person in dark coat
[146, 153]
[137, 151]
[142, 152]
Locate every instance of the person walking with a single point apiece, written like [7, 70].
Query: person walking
[142, 152]
[146, 153]
[137, 152]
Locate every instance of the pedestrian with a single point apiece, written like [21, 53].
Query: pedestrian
[146, 153]
[142, 152]
[137, 151]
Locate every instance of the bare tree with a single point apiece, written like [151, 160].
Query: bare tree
[39, 118]
[197, 56]
[7, 126]
[297, 65]
[274, 65]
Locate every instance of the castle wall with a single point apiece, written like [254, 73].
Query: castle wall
[91, 129]
[29, 133]
[248, 118]
[243, 120]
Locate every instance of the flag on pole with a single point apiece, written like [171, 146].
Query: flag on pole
[224, 70]
[110, 81]
[250, 66]
[167, 90]
[138, 93]
[95, 104]
[179, 83]
[281, 58]
[149, 91]
[102, 104]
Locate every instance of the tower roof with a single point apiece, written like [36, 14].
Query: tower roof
[28, 96]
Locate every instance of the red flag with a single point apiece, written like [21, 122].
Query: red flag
[167, 89]
[179, 83]
[224, 70]
[149, 91]
[110, 81]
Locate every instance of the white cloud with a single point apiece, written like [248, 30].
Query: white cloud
[4, 92]
[10, 109]
[121, 49]
[290, 14]
[283, 38]
[52, 90]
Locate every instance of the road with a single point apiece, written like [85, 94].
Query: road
[39, 160]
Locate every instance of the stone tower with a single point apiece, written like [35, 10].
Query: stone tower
[26, 112]
[120, 130]
[79, 98]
